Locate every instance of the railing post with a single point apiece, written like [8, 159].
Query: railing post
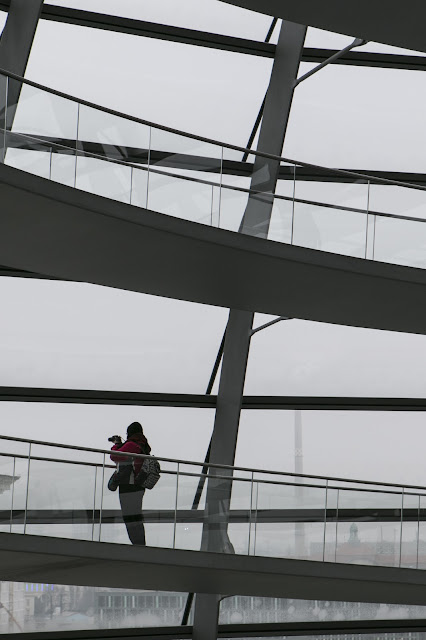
[76, 144]
[250, 512]
[337, 524]
[102, 498]
[148, 166]
[94, 503]
[418, 534]
[13, 494]
[325, 520]
[6, 97]
[220, 189]
[176, 505]
[255, 518]
[400, 534]
[28, 487]
[292, 205]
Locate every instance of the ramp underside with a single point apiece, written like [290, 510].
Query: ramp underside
[393, 22]
[60, 232]
[63, 561]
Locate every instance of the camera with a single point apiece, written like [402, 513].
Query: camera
[115, 439]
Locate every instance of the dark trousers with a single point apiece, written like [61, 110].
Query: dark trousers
[131, 508]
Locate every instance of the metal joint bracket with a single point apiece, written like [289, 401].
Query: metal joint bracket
[358, 42]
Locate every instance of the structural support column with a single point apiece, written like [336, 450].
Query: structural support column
[276, 114]
[15, 47]
[18, 35]
[255, 221]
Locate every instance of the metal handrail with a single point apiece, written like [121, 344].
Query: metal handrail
[226, 145]
[52, 145]
[234, 479]
[213, 465]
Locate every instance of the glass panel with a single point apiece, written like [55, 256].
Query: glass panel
[400, 242]
[233, 204]
[329, 229]
[62, 166]
[282, 527]
[282, 219]
[331, 527]
[7, 482]
[410, 531]
[41, 114]
[34, 607]
[422, 534]
[253, 609]
[182, 198]
[140, 512]
[204, 15]
[3, 94]
[112, 136]
[19, 494]
[241, 525]
[301, 358]
[189, 524]
[399, 200]
[139, 192]
[34, 162]
[175, 151]
[121, 341]
[374, 542]
[333, 106]
[107, 179]
[61, 499]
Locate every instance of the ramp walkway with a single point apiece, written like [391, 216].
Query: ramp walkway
[209, 529]
[95, 196]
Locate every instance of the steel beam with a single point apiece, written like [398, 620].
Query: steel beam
[147, 399]
[15, 47]
[117, 24]
[18, 35]
[276, 114]
[238, 333]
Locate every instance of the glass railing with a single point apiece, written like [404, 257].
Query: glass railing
[56, 490]
[94, 149]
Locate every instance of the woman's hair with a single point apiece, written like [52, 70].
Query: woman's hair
[134, 428]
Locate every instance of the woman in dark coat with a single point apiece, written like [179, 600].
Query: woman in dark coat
[131, 495]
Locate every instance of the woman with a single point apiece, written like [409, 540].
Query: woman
[130, 494]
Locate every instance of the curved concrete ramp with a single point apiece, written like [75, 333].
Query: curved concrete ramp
[392, 22]
[26, 558]
[60, 232]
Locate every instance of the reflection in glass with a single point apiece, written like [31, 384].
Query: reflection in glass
[107, 179]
